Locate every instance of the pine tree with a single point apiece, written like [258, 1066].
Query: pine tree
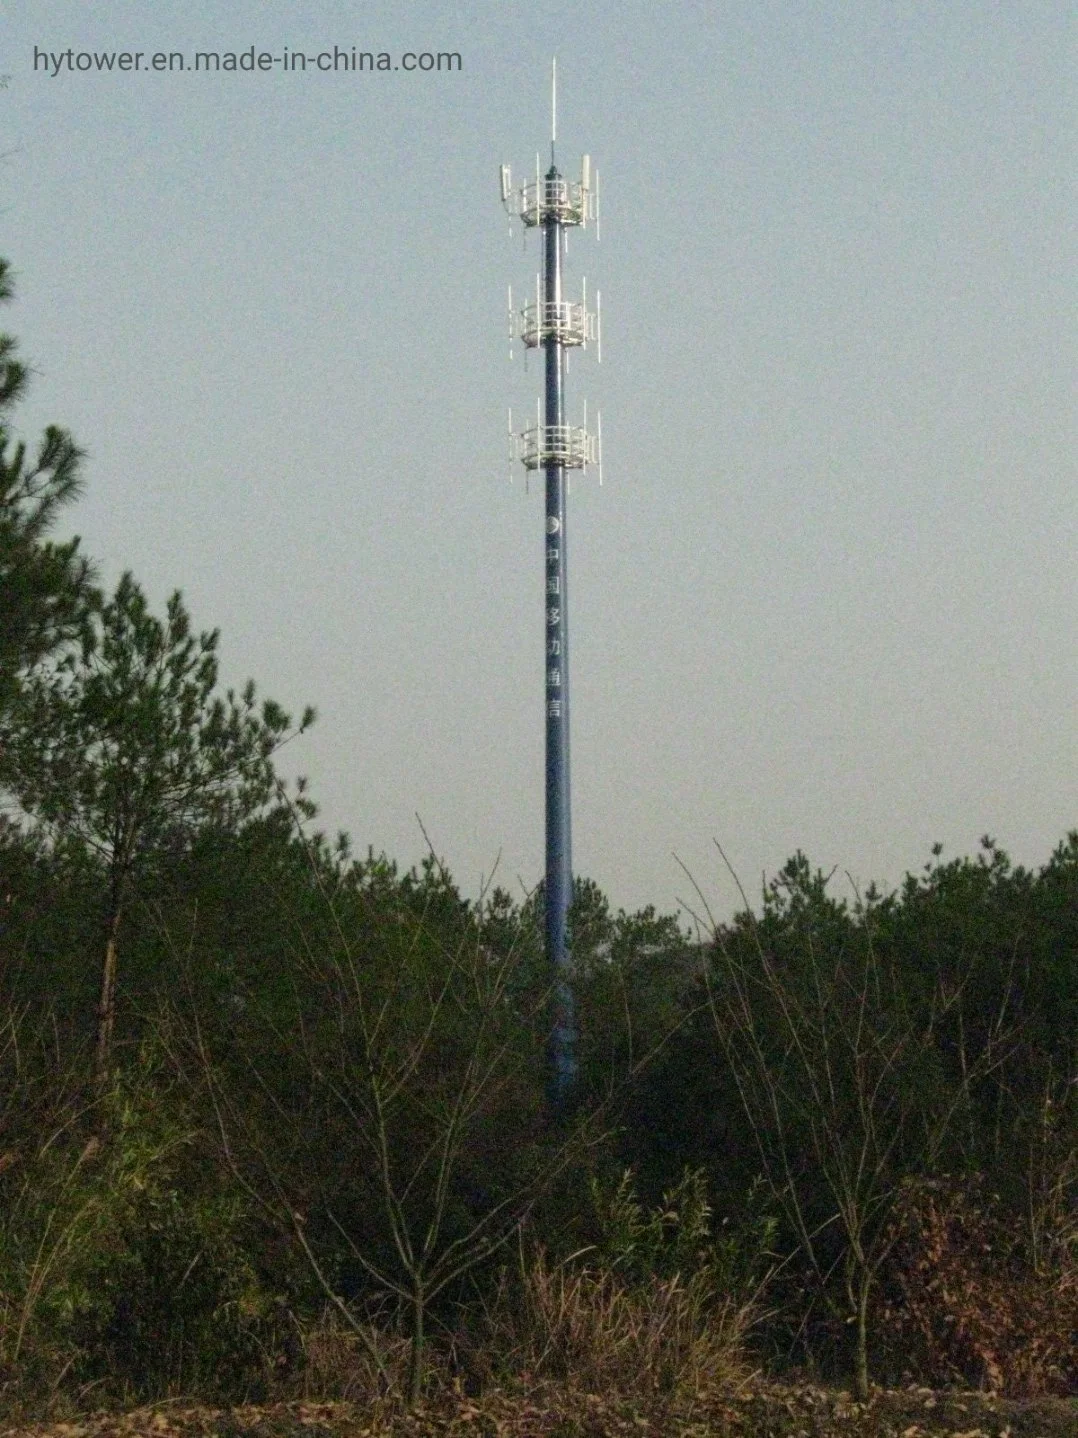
[45, 587]
[124, 746]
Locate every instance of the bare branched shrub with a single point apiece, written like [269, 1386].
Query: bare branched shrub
[837, 1061]
[401, 1139]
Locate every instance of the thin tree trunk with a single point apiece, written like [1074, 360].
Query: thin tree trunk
[106, 1008]
[415, 1368]
[861, 1373]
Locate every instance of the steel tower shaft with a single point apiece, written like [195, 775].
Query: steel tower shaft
[551, 205]
[559, 866]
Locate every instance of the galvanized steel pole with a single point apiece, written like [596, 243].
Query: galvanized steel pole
[559, 864]
[551, 204]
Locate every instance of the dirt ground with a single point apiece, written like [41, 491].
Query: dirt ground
[761, 1410]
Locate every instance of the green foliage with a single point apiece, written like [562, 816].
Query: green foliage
[45, 586]
[372, 1051]
[632, 975]
[326, 1119]
[397, 1100]
[126, 741]
[124, 747]
[678, 1236]
[125, 1266]
[49, 927]
[841, 1054]
[673, 1238]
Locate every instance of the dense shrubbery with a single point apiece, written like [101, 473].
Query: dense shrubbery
[326, 1127]
[335, 1108]
[128, 1266]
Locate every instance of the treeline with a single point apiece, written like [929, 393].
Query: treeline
[274, 1118]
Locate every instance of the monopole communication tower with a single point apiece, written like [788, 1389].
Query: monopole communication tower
[552, 204]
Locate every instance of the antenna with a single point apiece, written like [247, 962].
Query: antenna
[553, 104]
[552, 205]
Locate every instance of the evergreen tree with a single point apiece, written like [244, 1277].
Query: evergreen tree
[44, 586]
[124, 746]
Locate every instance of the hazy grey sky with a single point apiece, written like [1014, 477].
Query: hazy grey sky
[827, 596]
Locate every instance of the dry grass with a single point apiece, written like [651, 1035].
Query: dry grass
[337, 1366]
[586, 1327]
